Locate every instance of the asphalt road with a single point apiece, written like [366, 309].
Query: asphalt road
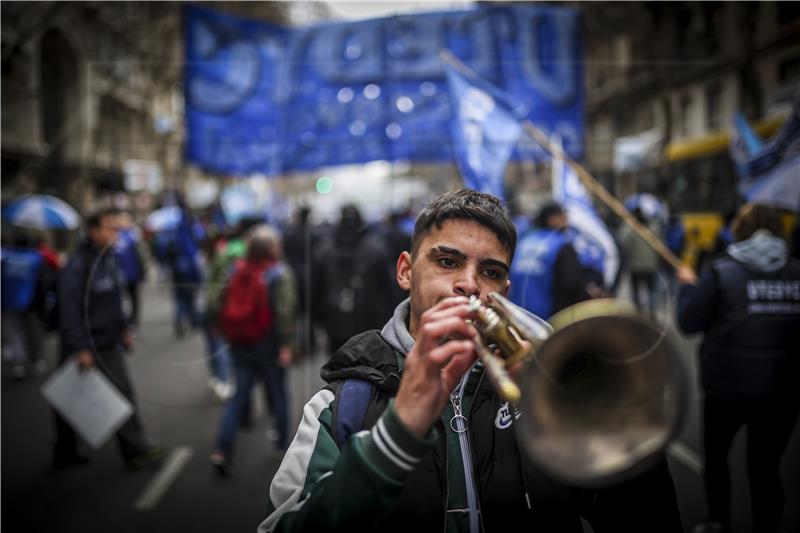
[179, 410]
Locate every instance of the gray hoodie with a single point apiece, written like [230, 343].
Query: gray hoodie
[762, 252]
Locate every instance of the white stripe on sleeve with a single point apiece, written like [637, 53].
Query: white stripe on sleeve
[393, 457]
[393, 445]
[287, 485]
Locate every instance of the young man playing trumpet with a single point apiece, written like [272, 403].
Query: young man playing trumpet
[409, 433]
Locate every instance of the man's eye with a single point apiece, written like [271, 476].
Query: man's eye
[493, 273]
[447, 262]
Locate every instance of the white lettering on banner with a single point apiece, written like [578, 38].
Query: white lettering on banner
[530, 257]
[773, 290]
[781, 308]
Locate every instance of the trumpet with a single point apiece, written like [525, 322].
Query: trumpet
[600, 389]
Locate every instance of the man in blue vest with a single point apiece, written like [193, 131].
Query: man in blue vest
[546, 275]
[130, 261]
[22, 273]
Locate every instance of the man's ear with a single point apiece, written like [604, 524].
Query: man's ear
[404, 271]
[507, 287]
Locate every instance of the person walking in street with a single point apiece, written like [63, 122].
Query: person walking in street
[25, 275]
[94, 332]
[546, 274]
[221, 264]
[300, 241]
[642, 261]
[258, 319]
[747, 305]
[131, 263]
[352, 284]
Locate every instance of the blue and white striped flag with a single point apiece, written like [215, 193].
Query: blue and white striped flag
[593, 242]
[485, 126]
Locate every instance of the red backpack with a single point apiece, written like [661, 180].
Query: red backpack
[246, 314]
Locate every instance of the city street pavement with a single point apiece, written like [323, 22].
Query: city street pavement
[179, 410]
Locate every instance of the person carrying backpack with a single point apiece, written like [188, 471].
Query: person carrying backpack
[257, 317]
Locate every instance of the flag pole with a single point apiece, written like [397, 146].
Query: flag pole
[604, 196]
[594, 186]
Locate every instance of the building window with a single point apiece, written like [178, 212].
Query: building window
[789, 70]
[713, 106]
[788, 13]
[684, 105]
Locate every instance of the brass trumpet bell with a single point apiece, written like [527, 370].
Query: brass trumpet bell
[600, 393]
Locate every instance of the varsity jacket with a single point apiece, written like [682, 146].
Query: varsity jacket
[385, 478]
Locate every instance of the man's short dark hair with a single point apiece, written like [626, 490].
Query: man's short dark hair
[466, 204]
[545, 212]
[95, 220]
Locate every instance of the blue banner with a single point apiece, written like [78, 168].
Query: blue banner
[266, 99]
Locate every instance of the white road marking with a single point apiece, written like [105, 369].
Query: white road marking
[172, 466]
[685, 455]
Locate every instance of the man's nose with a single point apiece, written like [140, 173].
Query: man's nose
[467, 283]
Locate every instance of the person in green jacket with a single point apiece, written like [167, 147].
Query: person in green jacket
[432, 446]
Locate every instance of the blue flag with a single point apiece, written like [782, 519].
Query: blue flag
[485, 125]
[590, 237]
[769, 172]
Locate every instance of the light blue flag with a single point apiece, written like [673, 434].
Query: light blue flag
[485, 125]
[744, 142]
[593, 242]
[769, 173]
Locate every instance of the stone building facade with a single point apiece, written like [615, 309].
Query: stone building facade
[680, 71]
[92, 97]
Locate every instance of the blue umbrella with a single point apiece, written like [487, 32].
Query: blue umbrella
[164, 219]
[41, 211]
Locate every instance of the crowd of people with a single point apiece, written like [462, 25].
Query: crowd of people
[405, 432]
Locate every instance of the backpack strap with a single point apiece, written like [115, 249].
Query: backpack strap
[351, 406]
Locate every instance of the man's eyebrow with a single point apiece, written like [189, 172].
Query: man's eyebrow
[447, 250]
[461, 255]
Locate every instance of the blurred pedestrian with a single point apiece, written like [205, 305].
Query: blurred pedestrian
[546, 275]
[221, 264]
[25, 275]
[94, 333]
[183, 258]
[130, 260]
[642, 262]
[398, 240]
[353, 284]
[300, 241]
[747, 304]
[258, 319]
[675, 239]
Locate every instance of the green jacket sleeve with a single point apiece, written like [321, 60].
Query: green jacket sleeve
[320, 488]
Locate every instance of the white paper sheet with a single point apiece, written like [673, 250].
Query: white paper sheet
[88, 401]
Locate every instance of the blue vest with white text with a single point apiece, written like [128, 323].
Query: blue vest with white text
[20, 275]
[532, 270]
